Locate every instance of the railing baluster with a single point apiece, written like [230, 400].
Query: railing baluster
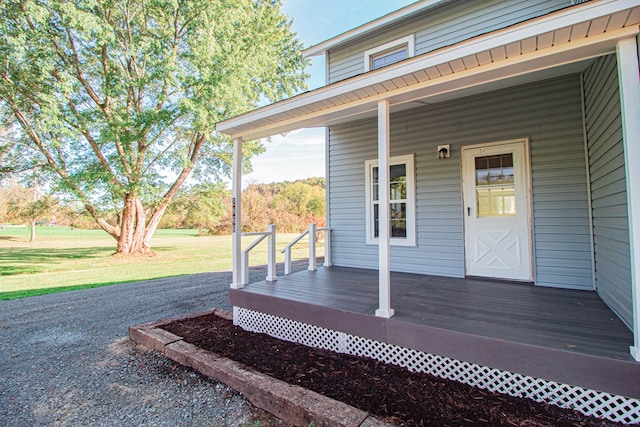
[327, 247]
[287, 252]
[312, 248]
[270, 234]
[244, 274]
[271, 254]
[312, 232]
[287, 260]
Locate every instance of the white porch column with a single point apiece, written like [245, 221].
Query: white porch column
[629, 81]
[236, 214]
[384, 275]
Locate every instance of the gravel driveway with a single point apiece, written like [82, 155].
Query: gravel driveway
[66, 359]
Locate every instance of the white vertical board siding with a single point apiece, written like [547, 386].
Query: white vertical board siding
[549, 113]
[441, 27]
[608, 186]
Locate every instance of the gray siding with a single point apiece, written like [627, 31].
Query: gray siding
[608, 186]
[548, 113]
[442, 27]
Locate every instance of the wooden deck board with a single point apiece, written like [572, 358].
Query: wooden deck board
[570, 320]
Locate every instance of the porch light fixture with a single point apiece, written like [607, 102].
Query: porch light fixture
[444, 151]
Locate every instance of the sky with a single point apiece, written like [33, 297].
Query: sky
[300, 154]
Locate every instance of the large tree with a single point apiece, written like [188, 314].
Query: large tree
[121, 95]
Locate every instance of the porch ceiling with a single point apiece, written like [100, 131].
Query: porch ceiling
[541, 48]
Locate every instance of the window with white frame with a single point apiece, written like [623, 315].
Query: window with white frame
[389, 53]
[402, 222]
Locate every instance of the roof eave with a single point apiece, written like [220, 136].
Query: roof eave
[261, 118]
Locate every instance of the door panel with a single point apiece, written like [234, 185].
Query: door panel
[497, 224]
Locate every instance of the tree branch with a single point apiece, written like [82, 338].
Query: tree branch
[94, 145]
[154, 139]
[182, 177]
[107, 77]
[81, 78]
[60, 170]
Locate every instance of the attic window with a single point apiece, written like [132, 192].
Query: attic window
[389, 53]
[388, 58]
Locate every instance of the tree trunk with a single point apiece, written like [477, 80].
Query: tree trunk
[133, 228]
[35, 199]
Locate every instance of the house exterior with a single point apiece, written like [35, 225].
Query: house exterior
[496, 139]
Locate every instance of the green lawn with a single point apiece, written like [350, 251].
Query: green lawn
[62, 258]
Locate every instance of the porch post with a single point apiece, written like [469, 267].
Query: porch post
[327, 195]
[271, 254]
[384, 275]
[236, 214]
[312, 248]
[629, 82]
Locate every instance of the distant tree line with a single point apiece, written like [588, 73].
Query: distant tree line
[289, 205]
[205, 207]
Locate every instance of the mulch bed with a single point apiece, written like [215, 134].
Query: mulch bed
[386, 391]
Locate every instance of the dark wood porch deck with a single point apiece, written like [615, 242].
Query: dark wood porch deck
[561, 335]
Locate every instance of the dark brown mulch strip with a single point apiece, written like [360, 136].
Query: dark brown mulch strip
[384, 390]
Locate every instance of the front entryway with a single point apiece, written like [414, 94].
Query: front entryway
[497, 214]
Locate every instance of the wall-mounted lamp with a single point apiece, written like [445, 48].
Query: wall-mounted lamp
[444, 151]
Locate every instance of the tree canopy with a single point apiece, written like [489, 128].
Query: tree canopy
[121, 96]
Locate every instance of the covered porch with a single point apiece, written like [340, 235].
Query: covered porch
[560, 335]
[518, 56]
[560, 346]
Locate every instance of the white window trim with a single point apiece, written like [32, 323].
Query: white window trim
[409, 41]
[410, 240]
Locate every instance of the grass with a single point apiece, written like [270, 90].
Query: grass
[63, 259]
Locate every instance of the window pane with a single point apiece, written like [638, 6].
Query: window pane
[398, 191]
[376, 221]
[388, 58]
[496, 201]
[494, 170]
[375, 183]
[398, 228]
[398, 220]
[398, 210]
[482, 177]
[397, 172]
[398, 182]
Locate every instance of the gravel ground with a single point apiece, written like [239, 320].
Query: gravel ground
[66, 359]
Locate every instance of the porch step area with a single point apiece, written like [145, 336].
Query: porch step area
[566, 336]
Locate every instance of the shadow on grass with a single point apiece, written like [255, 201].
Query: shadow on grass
[27, 260]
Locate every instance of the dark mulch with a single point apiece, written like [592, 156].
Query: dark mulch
[386, 391]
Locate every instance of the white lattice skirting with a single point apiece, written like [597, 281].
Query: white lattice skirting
[589, 402]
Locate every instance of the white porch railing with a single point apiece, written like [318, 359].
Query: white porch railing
[312, 231]
[270, 234]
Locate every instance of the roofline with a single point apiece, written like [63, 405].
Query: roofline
[364, 29]
[540, 25]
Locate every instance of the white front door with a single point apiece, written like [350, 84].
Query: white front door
[496, 197]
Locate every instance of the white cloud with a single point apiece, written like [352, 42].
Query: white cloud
[296, 155]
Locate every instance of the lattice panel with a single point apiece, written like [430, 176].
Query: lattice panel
[289, 330]
[589, 402]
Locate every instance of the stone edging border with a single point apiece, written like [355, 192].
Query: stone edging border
[291, 403]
